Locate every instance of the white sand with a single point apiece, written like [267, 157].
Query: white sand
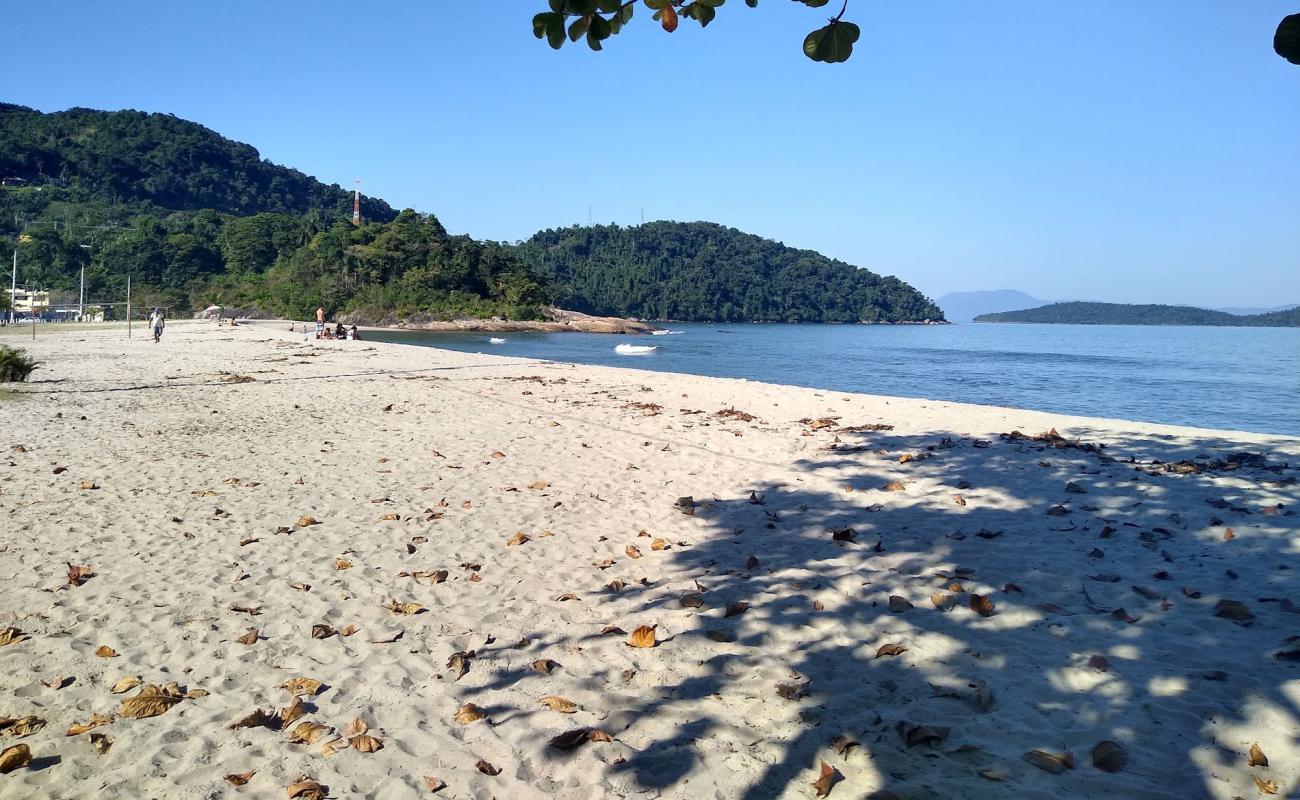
[188, 466]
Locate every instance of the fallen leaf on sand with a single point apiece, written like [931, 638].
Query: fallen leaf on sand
[893, 486]
[56, 682]
[105, 651]
[544, 665]
[826, 779]
[914, 734]
[616, 585]
[249, 638]
[539, 485]
[892, 649]
[1233, 610]
[322, 631]
[487, 768]
[96, 720]
[1265, 787]
[981, 605]
[307, 521]
[143, 705]
[468, 713]
[898, 604]
[691, 600]
[342, 563]
[308, 733]
[239, 778]
[1257, 757]
[643, 636]
[517, 539]
[88, 485]
[736, 609]
[302, 587]
[943, 601]
[1055, 763]
[366, 744]
[614, 629]
[1229, 534]
[23, 726]
[16, 757]
[301, 686]
[307, 789]
[959, 500]
[458, 665]
[752, 563]
[659, 544]
[404, 608]
[126, 684]
[78, 575]
[1109, 756]
[434, 784]
[843, 534]
[390, 517]
[567, 596]
[1099, 663]
[10, 635]
[257, 719]
[349, 630]
[633, 551]
[291, 713]
[843, 744]
[560, 704]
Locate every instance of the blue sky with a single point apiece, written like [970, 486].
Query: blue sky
[1109, 150]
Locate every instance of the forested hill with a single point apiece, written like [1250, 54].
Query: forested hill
[1122, 314]
[701, 271]
[175, 164]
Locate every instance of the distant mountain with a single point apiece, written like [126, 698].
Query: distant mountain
[966, 306]
[705, 272]
[1250, 311]
[1121, 314]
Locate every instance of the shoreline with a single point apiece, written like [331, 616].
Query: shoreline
[798, 596]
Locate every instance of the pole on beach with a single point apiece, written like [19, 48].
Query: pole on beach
[128, 306]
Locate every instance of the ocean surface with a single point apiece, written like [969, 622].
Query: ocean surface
[1230, 378]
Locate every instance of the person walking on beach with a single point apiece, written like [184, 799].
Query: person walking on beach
[320, 322]
[156, 323]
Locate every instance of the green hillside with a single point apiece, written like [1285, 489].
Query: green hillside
[1123, 314]
[701, 271]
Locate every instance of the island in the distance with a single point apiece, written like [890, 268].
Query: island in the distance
[1126, 314]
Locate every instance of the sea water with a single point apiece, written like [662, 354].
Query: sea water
[1230, 378]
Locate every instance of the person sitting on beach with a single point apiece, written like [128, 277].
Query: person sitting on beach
[352, 333]
[340, 331]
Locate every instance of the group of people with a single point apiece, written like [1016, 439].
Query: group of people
[339, 332]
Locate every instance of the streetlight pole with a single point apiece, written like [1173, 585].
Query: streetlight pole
[81, 301]
[13, 287]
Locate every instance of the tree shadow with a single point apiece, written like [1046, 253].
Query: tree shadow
[1105, 568]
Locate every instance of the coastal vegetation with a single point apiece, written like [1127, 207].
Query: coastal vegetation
[704, 272]
[1126, 314]
[196, 219]
[15, 365]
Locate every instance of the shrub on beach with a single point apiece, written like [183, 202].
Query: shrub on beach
[15, 365]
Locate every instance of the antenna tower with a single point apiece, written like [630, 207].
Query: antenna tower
[356, 204]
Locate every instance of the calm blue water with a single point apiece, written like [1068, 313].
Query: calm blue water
[1234, 378]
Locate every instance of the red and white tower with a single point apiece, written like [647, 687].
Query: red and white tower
[356, 204]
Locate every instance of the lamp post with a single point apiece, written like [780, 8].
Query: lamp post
[81, 301]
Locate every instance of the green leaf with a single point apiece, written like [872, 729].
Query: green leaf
[1286, 42]
[833, 43]
[600, 29]
[578, 28]
[543, 20]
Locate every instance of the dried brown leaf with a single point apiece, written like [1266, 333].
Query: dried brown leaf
[825, 780]
[1266, 787]
[404, 608]
[239, 778]
[307, 521]
[16, 757]
[544, 665]
[468, 713]
[487, 768]
[1233, 610]
[322, 631]
[981, 605]
[78, 575]
[1257, 757]
[96, 720]
[291, 713]
[1109, 756]
[898, 604]
[643, 636]
[306, 789]
[126, 684]
[105, 651]
[633, 551]
[342, 563]
[434, 784]
[736, 609]
[893, 486]
[659, 544]
[892, 649]
[1055, 763]
[308, 733]
[250, 637]
[366, 744]
[143, 706]
[300, 686]
[943, 601]
[560, 704]
[517, 539]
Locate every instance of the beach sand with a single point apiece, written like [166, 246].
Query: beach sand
[1043, 595]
